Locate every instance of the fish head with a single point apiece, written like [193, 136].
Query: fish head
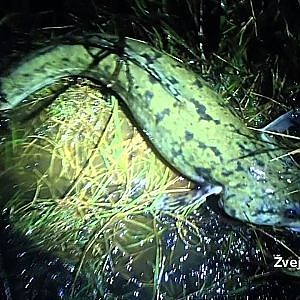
[271, 209]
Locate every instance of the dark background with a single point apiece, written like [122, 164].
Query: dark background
[254, 37]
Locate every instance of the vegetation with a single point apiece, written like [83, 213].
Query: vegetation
[87, 195]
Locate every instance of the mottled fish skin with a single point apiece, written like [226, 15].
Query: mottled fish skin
[190, 125]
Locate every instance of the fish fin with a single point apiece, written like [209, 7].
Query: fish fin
[183, 201]
[294, 229]
[285, 122]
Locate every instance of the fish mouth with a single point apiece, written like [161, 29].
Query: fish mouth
[229, 216]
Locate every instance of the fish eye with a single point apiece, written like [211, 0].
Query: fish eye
[291, 213]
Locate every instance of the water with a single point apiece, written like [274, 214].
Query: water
[73, 229]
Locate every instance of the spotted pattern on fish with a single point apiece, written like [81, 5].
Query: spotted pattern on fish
[161, 115]
[190, 125]
[148, 95]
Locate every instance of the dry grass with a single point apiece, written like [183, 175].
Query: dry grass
[86, 181]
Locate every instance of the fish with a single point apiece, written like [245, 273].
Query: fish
[190, 125]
